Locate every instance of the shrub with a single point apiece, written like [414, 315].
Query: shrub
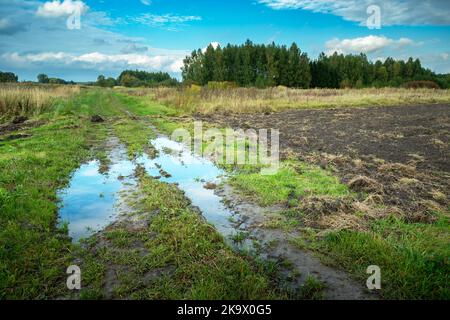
[221, 84]
[136, 78]
[421, 84]
[194, 88]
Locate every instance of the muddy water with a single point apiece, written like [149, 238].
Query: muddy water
[90, 202]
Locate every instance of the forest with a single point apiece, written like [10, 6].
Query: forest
[263, 66]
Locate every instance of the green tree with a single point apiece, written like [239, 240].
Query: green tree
[101, 81]
[209, 63]
[43, 78]
[8, 77]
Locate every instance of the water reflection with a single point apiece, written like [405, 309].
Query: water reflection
[87, 204]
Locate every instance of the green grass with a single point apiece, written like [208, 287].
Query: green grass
[144, 107]
[414, 258]
[89, 102]
[292, 181]
[312, 289]
[136, 135]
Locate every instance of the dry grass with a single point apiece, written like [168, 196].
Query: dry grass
[31, 100]
[248, 100]
[365, 184]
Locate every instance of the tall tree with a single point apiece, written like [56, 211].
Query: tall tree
[43, 78]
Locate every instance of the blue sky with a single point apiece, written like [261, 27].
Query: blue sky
[158, 34]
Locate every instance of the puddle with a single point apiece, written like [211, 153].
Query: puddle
[89, 203]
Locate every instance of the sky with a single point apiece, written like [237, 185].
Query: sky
[78, 40]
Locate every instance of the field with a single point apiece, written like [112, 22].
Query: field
[364, 180]
[252, 100]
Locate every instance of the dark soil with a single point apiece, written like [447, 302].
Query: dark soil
[402, 151]
[97, 119]
[11, 127]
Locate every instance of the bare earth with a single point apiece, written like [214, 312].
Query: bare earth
[404, 148]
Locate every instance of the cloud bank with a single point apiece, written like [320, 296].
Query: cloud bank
[97, 60]
[366, 45]
[393, 12]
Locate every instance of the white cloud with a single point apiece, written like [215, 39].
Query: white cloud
[367, 44]
[100, 61]
[146, 2]
[168, 21]
[56, 8]
[394, 12]
[214, 44]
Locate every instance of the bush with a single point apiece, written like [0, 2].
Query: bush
[221, 84]
[130, 78]
[194, 88]
[421, 84]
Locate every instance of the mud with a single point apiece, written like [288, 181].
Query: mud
[12, 127]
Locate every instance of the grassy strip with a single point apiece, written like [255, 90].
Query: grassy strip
[144, 107]
[292, 181]
[179, 256]
[136, 135]
[414, 258]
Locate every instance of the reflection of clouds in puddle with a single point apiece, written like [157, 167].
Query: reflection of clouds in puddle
[88, 203]
[99, 207]
[123, 168]
[91, 170]
[180, 153]
[86, 226]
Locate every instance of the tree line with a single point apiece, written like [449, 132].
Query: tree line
[43, 78]
[128, 78]
[136, 78]
[274, 65]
